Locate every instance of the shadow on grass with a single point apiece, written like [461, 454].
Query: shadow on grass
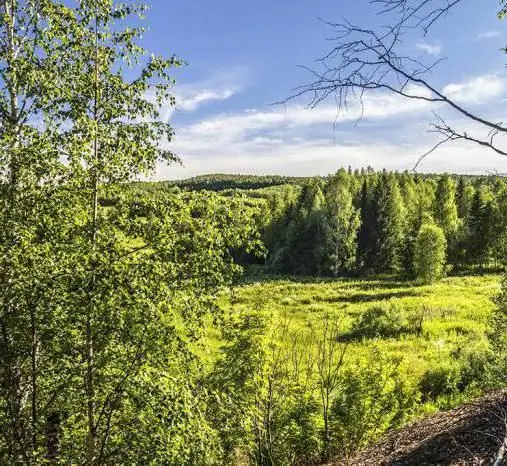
[364, 283]
[369, 298]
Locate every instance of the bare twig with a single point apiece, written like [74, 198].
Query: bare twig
[364, 59]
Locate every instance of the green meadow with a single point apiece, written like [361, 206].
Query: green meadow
[435, 331]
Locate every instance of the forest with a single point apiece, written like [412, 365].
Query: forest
[362, 223]
[221, 319]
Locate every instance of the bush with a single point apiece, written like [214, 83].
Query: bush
[376, 395]
[442, 380]
[379, 322]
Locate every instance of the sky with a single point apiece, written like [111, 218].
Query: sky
[244, 57]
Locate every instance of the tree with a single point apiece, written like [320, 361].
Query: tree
[418, 197]
[430, 254]
[304, 250]
[102, 304]
[464, 195]
[343, 224]
[367, 228]
[31, 32]
[446, 210]
[446, 213]
[389, 225]
[481, 227]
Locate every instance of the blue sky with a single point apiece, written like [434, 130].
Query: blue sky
[244, 56]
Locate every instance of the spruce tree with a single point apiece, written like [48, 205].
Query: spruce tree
[389, 225]
[446, 213]
[366, 233]
[304, 250]
[481, 227]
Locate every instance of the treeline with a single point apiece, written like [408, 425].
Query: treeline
[221, 182]
[382, 222]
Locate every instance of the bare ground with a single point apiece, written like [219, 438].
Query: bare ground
[472, 434]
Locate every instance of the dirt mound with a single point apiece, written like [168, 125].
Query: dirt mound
[472, 434]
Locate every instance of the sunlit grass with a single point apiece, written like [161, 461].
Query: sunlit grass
[453, 313]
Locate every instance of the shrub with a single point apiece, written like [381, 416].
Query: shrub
[379, 322]
[376, 395]
[442, 380]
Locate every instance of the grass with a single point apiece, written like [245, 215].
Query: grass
[451, 315]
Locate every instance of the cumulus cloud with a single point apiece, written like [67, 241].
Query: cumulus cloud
[295, 140]
[430, 49]
[231, 128]
[477, 90]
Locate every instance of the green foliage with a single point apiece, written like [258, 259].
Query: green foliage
[379, 322]
[446, 210]
[441, 380]
[430, 254]
[481, 226]
[222, 182]
[429, 352]
[389, 225]
[368, 222]
[110, 289]
[103, 304]
[376, 396]
[342, 225]
[497, 335]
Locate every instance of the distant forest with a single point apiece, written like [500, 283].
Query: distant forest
[364, 222]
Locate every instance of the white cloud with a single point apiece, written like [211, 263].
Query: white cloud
[308, 158]
[294, 140]
[191, 96]
[477, 90]
[430, 49]
[193, 102]
[221, 86]
[488, 35]
[231, 128]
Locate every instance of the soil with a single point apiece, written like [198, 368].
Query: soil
[471, 434]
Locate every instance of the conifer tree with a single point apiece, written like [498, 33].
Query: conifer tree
[304, 250]
[464, 196]
[389, 225]
[481, 227]
[366, 234]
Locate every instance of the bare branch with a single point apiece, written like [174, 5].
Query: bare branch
[364, 59]
[417, 13]
[451, 134]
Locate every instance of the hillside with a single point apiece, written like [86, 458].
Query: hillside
[471, 434]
